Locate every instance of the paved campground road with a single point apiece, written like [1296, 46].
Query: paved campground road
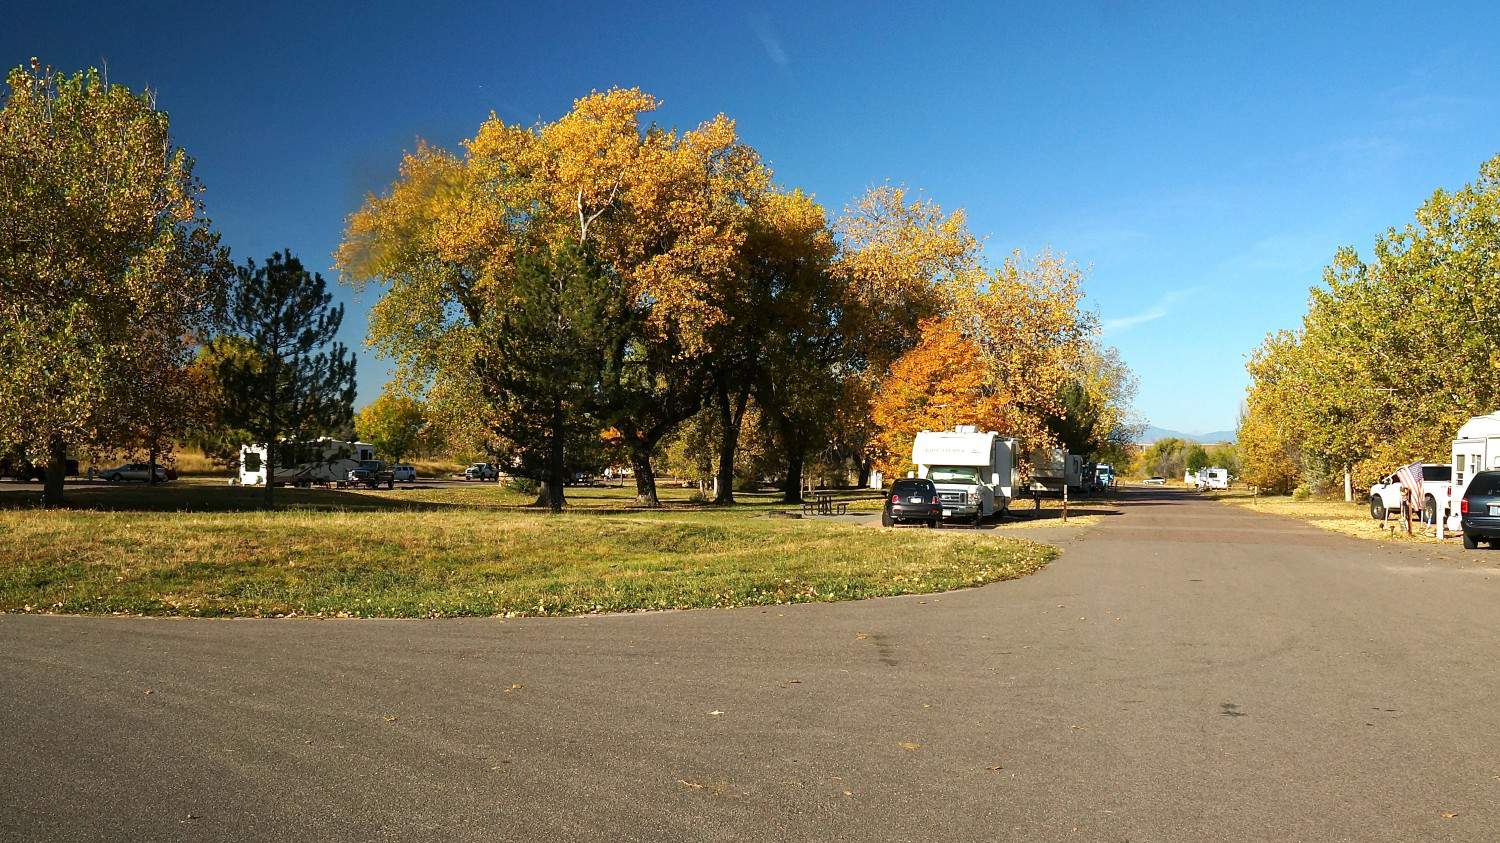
[1185, 671]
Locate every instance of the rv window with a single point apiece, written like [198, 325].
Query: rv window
[252, 461]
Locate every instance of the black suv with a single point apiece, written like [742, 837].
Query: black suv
[1479, 511]
[912, 499]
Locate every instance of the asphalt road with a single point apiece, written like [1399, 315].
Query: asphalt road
[1186, 671]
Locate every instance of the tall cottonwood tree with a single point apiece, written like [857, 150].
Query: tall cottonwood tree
[298, 380]
[108, 264]
[662, 210]
[1395, 352]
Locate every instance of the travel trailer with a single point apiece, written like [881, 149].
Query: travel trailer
[305, 463]
[1476, 448]
[972, 471]
[1054, 468]
[1211, 478]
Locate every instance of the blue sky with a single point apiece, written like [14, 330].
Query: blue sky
[1203, 162]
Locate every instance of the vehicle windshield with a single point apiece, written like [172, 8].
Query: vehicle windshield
[953, 474]
[909, 487]
[370, 465]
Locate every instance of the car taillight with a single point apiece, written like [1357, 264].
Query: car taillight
[1463, 507]
[895, 498]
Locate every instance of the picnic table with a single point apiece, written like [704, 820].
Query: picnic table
[823, 504]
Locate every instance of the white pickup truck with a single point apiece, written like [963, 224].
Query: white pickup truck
[1385, 494]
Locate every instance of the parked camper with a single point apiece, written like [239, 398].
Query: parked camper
[1054, 468]
[1476, 448]
[304, 463]
[1209, 479]
[971, 470]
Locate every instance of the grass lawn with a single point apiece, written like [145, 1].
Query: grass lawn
[202, 548]
[1351, 519]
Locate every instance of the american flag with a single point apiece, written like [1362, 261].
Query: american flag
[1411, 481]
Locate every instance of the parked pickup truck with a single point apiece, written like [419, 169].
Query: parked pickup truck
[372, 473]
[1385, 494]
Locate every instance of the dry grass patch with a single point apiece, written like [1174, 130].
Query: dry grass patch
[465, 551]
[1350, 519]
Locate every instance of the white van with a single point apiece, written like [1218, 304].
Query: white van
[972, 471]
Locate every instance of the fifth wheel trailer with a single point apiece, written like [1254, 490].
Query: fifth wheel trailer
[316, 461]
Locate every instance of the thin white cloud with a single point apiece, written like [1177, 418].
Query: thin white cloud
[1161, 308]
[767, 35]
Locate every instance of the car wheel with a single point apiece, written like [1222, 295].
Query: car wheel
[935, 523]
[1377, 508]
[1471, 542]
[885, 518]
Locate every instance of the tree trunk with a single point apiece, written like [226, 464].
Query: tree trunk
[729, 439]
[556, 465]
[57, 469]
[645, 478]
[863, 467]
[270, 471]
[151, 467]
[1348, 486]
[791, 485]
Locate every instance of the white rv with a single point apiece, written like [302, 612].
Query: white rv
[971, 470]
[1054, 468]
[322, 460]
[1476, 448]
[1208, 479]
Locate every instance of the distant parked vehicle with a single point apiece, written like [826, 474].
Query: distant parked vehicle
[303, 463]
[24, 470]
[372, 473]
[481, 471]
[137, 471]
[1385, 494]
[404, 473]
[1155, 480]
[1479, 510]
[1211, 479]
[912, 499]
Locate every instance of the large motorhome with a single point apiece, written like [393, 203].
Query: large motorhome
[972, 471]
[1052, 469]
[304, 463]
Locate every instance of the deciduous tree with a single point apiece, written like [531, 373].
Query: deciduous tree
[107, 261]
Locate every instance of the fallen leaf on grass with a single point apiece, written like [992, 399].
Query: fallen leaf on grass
[715, 713]
[848, 793]
[390, 719]
[1448, 815]
[515, 687]
[909, 746]
[149, 691]
[995, 768]
[693, 785]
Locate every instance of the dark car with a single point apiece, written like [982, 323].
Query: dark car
[911, 500]
[1479, 511]
[372, 473]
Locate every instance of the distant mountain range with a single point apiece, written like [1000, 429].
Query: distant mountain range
[1152, 434]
